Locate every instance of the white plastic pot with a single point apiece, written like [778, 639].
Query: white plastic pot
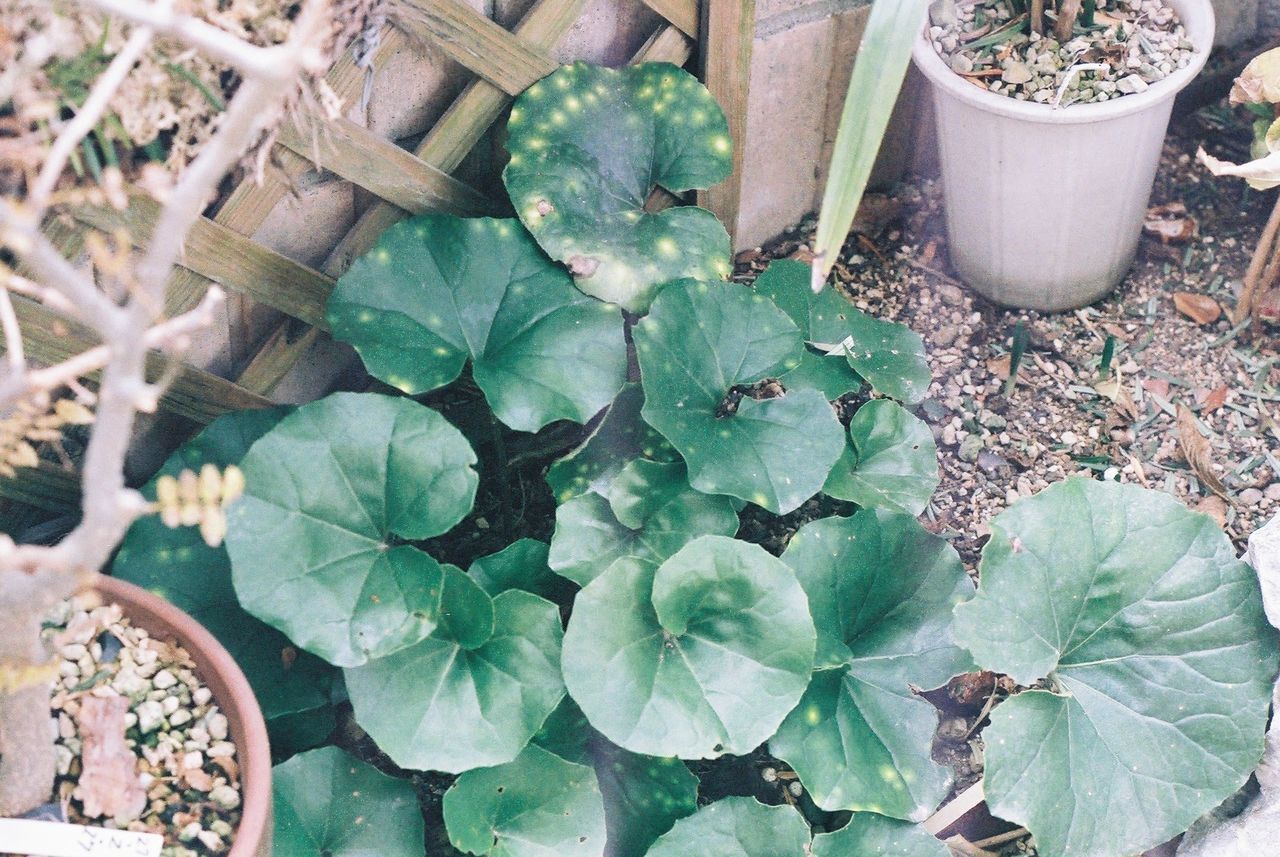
[1045, 206]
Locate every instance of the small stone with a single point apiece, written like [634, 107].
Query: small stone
[201, 695]
[190, 832]
[221, 748]
[225, 797]
[1273, 492]
[951, 295]
[164, 680]
[170, 704]
[180, 717]
[1132, 85]
[1250, 497]
[64, 757]
[970, 447]
[961, 64]
[1016, 73]
[150, 716]
[212, 841]
[1069, 438]
[217, 726]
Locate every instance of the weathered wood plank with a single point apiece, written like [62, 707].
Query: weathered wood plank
[378, 165]
[684, 14]
[666, 45]
[474, 41]
[216, 253]
[726, 69]
[46, 486]
[250, 203]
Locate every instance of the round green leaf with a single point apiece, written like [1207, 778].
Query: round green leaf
[441, 706]
[867, 834]
[177, 565]
[437, 291]
[736, 827]
[523, 566]
[326, 490]
[882, 590]
[1159, 660]
[701, 656]
[621, 436]
[844, 344]
[891, 461]
[697, 343]
[330, 804]
[588, 145]
[650, 513]
[535, 806]
[643, 795]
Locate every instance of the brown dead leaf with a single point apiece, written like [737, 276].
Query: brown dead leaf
[1213, 399]
[803, 254]
[999, 366]
[746, 257]
[875, 212]
[1159, 386]
[1170, 223]
[228, 765]
[1201, 309]
[197, 779]
[928, 253]
[1198, 453]
[1117, 331]
[109, 784]
[1214, 507]
[1114, 389]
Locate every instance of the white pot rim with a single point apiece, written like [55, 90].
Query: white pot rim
[1197, 18]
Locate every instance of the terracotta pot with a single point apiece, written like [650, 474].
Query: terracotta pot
[231, 692]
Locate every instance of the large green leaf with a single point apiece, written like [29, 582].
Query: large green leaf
[177, 565]
[451, 705]
[698, 342]
[701, 656]
[522, 565]
[736, 827]
[437, 291]
[882, 590]
[650, 513]
[588, 145]
[538, 805]
[888, 355]
[330, 804]
[891, 461]
[327, 491]
[643, 795]
[621, 436]
[1158, 657]
[869, 834]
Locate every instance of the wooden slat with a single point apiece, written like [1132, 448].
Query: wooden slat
[217, 254]
[666, 45]
[46, 486]
[475, 41]
[378, 165]
[730, 31]
[683, 13]
[194, 393]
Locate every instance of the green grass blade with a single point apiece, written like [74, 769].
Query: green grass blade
[877, 77]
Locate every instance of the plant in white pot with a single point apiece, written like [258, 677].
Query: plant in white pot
[1051, 118]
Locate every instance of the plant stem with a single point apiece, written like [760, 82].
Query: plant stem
[1086, 17]
[1068, 11]
[1015, 357]
[1036, 21]
[500, 474]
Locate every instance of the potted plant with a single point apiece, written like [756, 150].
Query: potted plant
[71, 106]
[1044, 197]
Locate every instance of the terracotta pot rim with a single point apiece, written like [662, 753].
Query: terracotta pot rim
[232, 693]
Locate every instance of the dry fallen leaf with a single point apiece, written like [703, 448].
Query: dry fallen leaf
[1159, 386]
[1114, 389]
[803, 254]
[999, 366]
[1201, 309]
[1213, 399]
[1198, 453]
[1170, 223]
[1214, 507]
[1268, 306]
[109, 785]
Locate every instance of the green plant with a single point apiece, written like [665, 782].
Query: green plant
[682, 642]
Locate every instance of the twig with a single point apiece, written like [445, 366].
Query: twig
[964, 846]
[1002, 838]
[88, 115]
[12, 334]
[1262, 255]
[955, 810]
[982, 715]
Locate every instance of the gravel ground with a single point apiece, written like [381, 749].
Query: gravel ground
[994, 449]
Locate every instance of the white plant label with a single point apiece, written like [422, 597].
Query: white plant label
[53, 839]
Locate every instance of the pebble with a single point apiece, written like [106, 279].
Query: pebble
[1250, 497]
[225, 796]
[1273, 492]
[163, 680]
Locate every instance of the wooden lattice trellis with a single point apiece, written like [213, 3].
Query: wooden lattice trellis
[219, 250]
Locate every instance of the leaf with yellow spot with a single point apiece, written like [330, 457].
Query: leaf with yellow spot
[480, 290]
[700, 344]
[589, 145]
[881, 589]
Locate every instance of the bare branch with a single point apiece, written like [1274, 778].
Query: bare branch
[169, 334]
[87, 116]
[12, 334]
